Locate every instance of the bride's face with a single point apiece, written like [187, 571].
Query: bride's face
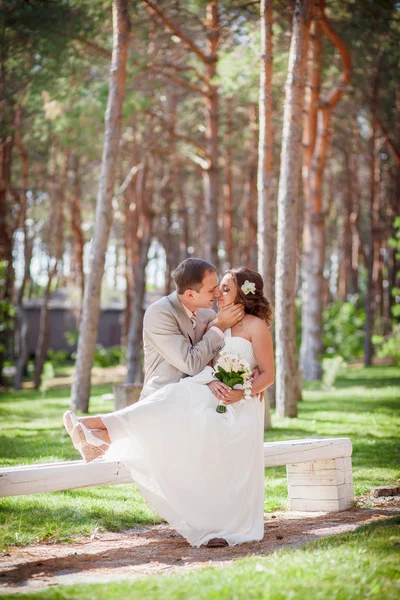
[228, 290]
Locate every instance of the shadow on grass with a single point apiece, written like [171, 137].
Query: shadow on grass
[30, 395]
[152, 550]
[48, 521]
[37, 447]
[282, 434]
[349, 404]
[367, 383]
[369, 377]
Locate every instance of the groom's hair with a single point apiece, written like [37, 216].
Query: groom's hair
[190, 273]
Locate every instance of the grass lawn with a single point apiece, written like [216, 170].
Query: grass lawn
[364, 406]
[356, 566]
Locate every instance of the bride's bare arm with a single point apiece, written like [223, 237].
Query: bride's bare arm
[261, 339]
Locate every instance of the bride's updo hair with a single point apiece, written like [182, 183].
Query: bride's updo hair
[254, 304]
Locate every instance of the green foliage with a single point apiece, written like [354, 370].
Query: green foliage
[389, 346]
[331, 368]
[343, 333]
[107, 357]
[58, 357]
[72, 337]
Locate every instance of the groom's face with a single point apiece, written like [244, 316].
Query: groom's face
[209, 292]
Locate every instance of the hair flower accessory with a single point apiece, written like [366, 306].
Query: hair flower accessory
[248, 287]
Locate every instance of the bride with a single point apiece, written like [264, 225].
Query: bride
[200, 470]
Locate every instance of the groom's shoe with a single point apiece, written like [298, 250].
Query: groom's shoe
[217, 543]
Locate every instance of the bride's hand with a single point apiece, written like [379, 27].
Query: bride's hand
[234, 396]
[219, 389]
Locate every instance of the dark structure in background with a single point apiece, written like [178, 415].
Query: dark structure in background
[64, 320]
[63, 317]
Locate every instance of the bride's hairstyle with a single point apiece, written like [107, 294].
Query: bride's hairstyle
[254, 304]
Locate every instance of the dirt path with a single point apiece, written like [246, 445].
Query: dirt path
[154, 550]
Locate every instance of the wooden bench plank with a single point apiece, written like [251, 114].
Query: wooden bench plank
[52, 477]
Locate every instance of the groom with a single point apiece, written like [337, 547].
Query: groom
[176, 336]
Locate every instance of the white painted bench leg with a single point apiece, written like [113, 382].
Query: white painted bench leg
[321, 485]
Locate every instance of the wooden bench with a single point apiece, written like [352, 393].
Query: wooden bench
[318, 471]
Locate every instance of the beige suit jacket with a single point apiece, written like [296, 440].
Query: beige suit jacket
[172, 348]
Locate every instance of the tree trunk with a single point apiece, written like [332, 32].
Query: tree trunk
[314, 238]
[6, 244]
[91, 303]
[250, 193]
[43, 338]
[369, 250]
[211, 175]
[184, 215]
[265, 226]
[56, 248]
[314, 258]
[76, 225]
[348, 283]
[134, 342]
[21, 329]
[288, 198]
[168, 241]
[177, 182]
[265, 239]
[130, 205]
[228, 184]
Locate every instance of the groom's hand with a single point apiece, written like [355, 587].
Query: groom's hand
[229, 316]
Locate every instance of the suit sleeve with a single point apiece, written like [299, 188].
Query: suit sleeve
[164, 334]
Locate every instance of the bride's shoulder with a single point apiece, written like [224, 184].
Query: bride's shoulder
[257, 327]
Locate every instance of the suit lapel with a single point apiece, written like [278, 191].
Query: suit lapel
[184, 322]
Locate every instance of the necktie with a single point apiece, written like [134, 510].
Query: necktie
[193, 320]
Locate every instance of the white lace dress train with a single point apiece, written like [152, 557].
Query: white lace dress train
[200, 470]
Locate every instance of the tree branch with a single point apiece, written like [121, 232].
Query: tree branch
[334, 95]
[124, 186]
[180, 68]
[155, 10]
[95, 48]
[183, 138]
[180, 81]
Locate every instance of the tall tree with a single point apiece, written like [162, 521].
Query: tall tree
[208, 88]
[228, 183]
[56, 247]
[142, 243]
[250, 191]
[288, 199]
[319, 122]
[91, 304]
[372, 215]
[76, 224]
[265, 153]
[21, 327]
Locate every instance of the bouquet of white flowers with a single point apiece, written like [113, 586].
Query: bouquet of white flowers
[235, 372]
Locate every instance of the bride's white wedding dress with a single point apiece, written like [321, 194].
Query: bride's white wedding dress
[200, 470]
